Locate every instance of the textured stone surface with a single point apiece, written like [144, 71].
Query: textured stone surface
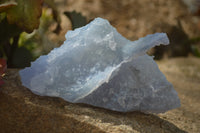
[97, 66]
[23, 111]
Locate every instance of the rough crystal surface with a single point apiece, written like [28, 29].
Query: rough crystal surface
[97, 66]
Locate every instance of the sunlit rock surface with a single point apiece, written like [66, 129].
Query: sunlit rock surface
[97, 66]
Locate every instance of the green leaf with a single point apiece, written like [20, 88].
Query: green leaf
[76, 19]
[7, 5]
[26, 14]
[21, 58]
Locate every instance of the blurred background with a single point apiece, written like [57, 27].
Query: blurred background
[27, 34]
[30, 28]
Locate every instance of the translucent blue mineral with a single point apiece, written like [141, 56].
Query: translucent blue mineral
[98, 66]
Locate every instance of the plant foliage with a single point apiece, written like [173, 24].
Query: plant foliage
[18, 17]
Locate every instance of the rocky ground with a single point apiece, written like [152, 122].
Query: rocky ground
[22, 111]
[184, 74]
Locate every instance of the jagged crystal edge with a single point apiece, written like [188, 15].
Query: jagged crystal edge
[89, 58]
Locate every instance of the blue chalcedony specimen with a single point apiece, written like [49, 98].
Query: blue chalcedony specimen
[98, 66]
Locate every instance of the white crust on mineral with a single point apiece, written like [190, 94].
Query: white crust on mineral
[97, 66]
